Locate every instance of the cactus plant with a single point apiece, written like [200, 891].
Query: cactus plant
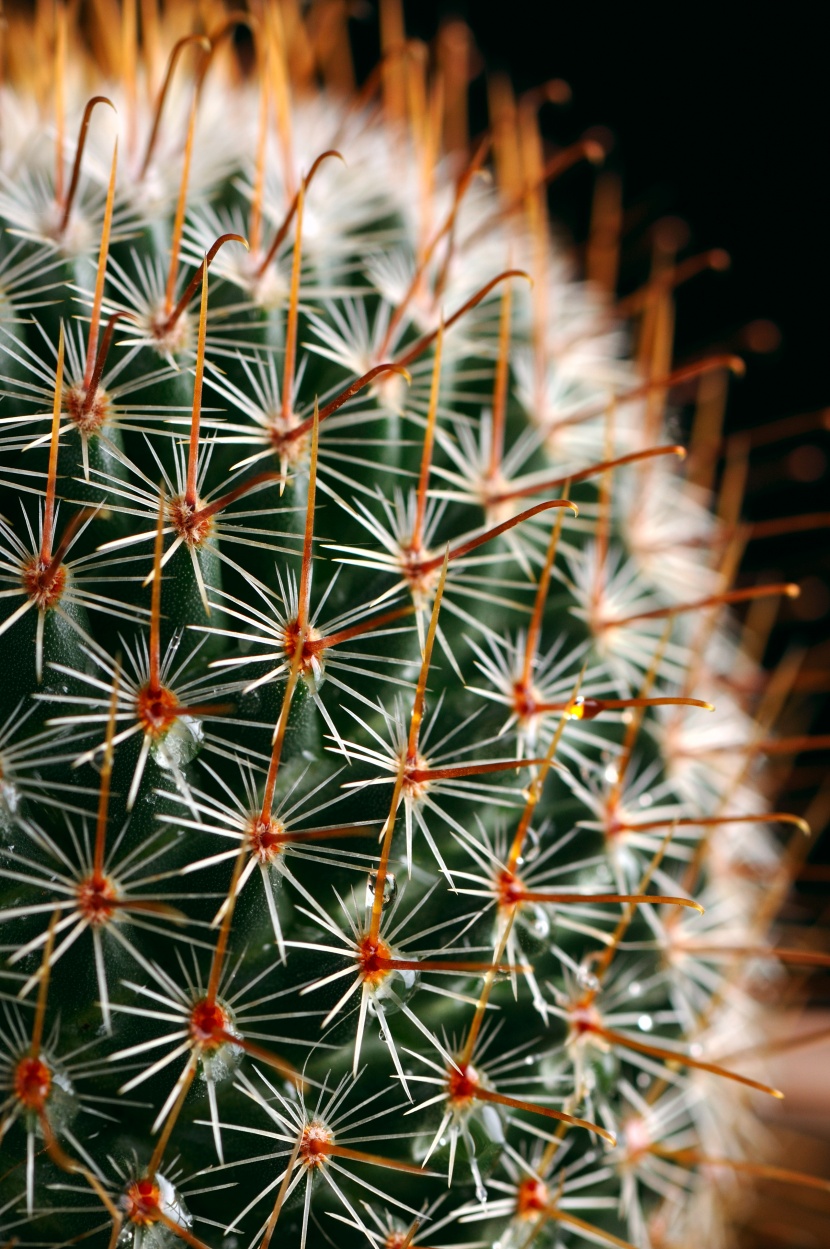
[374, 733]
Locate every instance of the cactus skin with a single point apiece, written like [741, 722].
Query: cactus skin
[360, 787]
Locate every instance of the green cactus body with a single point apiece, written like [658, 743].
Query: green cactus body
[360, 787]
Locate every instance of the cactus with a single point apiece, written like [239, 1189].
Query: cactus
[382, 836]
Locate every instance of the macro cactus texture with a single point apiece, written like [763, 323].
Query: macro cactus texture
[384, 840]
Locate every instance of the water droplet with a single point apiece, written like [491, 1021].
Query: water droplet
[611, 774]
[646, 800]
[643, 1080]
[481, 1194]
[635, 988]
[645, 1023]
[696, 1049]
[390, 888]
[540, 926]
[180, 745]
[586, 978]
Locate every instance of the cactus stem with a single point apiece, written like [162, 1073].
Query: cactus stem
[457, 883]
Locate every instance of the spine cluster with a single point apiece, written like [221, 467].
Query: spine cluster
[386, 856]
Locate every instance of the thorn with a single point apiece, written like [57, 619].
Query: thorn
[176, 52]
[191, 496]
[293, 313]
[415, 541]
[154, 681]
[464, 548]
[52, 472]
[199, 275]
[100, 276]
[524, 492]
[714, 600]
[106, 778]
[423, 343]
[79, 154]
[295, 203]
